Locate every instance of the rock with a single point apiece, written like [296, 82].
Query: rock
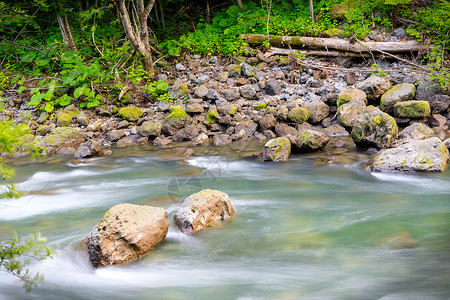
[412, 109]
[399, 33]
[399, 93]
[421, 155]
[318, 111]
[61, 136]
[298, 115]
[123, 124]
[272, 87]
[437, 120]
[439, 103]
[88, 149]
[334, 32]
[163, 106]
[350, 95]
[178, 90]
[64, 120]
[428, 88]
[348, 113]
[202, 79]
[267, 122]
[226, 120]
[447, 143]
[176, 154]
[201, 139]
[126, 233]
[212, 95]
[308, 140]
[72, 110]
[374, 87]
[82, 119]
[221, 140]
[187, 133]
[234, 70]
[213, 115]
[150, 129]
[338, 11]
[43, 130]
[201, 91]
[95, 126]
[277, 149]
[284, 129]
[193, 108]
[42, 118]
[175, 121]
[162, 77]
[203, 209]
[232, 94]
[115, 135]
[247, 70]
[374, 128]
[282, 113]
[223, 76]
[161, 141]
[125, 142]
[130, 113]
[247, 91]
[416, 131]
[180, 67]
[249, 128]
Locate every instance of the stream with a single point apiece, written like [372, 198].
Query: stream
[315, 227]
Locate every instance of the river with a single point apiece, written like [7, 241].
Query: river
[315, 227]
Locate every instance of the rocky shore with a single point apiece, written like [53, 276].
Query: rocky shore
[274, 101]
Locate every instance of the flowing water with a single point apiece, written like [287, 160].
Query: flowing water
[316, 227]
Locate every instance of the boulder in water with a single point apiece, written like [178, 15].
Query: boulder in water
[125, 233]
[203, 209]
[308, 140]
[277, 149]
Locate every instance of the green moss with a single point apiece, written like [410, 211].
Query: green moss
[213, 116]
[130, 113]
[72, 110]
[284, 60]
[58, 136]
[334, 32]
[298, 115]
[64, 119]
[412, 109]
[349, 95]
[177, 112]
[233, 110]
[261, 106]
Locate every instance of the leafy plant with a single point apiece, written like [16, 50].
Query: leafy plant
[157, 90]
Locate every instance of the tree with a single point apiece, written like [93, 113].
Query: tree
[137, 28]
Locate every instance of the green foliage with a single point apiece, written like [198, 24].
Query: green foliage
[157, 90]
[16, 254]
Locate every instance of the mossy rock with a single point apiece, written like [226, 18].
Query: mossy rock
[130, 113]
[177, 112]
[334, 32]
[338, 11]
[234, 69]
[58, 137]
[213, 115]
[179, 90]
[72, 110]
[350, 95]
[150, 129]
[348, 113]
[412, 109]
[298, 115]
[399, 93]
[233, 110]
[283, 60]
[63, 120]
[308, 140]
[277, 149]
[260, 106]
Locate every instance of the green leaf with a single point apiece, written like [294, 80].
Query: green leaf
[64, 100]
[42, 61]
[49, 94]
[49, 106]
[79, 92]
[36, 99]
[21, 89]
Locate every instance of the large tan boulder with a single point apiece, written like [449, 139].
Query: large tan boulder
[125, 233]
[203, 209]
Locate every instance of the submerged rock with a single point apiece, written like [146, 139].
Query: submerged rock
[399, 240]
[203, 209]
[374, 128]
[422, 155]
[125, 233]
[277, 149]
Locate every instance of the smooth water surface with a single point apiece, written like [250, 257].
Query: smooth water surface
[315, 227]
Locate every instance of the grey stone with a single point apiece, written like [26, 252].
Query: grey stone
[374, 87]
[272, 87]
[247, 91]
[180, 67]
[232, 94]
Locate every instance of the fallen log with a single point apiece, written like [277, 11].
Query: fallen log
[284, 51]
[337, 44]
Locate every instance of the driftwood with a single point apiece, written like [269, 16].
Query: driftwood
[284, 51]
[337, 44]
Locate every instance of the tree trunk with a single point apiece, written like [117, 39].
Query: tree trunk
[311, 10]
[239, 3]
[338, 44]
[137, 32]
[66, 33]
[284, 51]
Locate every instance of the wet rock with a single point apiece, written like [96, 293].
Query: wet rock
[277, 149]
[298, 115]
[187, 133]
[283, 129]
[130, 113]
[439, 103]
[399, 93]
[221, 140]
[201, 91]
[175, 121]
[125, 142]
[412, 109]
[63, 120]
[267, 122]
[201, 139]
[374, 128]
[272, 87]
[115, 135]
[82, 119]
[318, 111]
[203, 209]
[178, 90]
[88, 149]
[161, 141]
[61, 136]
[150, 129]
[348, 113]
[232, 94]
[427, 89]
[421, 155]
[125, 233]
[308, 140]
[350, 95]
[175, 154]
[374, 87]
[247, 91]
[249, 127]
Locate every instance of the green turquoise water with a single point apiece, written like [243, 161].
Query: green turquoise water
[315, 227]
